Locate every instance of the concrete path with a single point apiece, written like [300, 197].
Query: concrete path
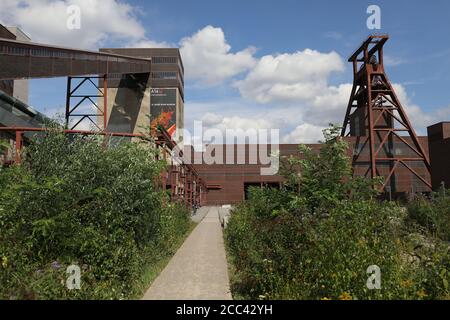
[200, 214]
[199, 270]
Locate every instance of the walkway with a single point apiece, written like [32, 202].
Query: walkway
[198, 271]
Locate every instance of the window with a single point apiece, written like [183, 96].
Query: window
[41, 52]
[164, 60]
[164, 75]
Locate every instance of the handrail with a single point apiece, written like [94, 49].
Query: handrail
[55, 49]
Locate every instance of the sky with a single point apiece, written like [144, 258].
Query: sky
[259, 64]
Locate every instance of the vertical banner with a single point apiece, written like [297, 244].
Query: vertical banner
[163, 109]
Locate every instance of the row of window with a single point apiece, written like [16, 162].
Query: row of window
[168, 60]
[167, 75]
[165, 60]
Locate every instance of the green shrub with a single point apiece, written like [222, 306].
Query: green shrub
[432, 214]
[74, 201]
[316, 238]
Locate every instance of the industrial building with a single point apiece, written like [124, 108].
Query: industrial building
[135, 90]
[158, 96]
[228, 184]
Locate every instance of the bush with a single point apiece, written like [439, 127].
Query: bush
[433, 214]
[316, 238]
[74, 201]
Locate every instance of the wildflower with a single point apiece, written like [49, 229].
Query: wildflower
[56, 265]
[5, 262]
[422, 294]
[325, 299]
[345, 296]
[406, 283]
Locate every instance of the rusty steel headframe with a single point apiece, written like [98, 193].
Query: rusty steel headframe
[377, 120]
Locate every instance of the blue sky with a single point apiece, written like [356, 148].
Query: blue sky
[259, 33]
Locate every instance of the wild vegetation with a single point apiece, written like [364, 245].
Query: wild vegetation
[317, 236]
[75, 202]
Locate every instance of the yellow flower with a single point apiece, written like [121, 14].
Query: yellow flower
[406, 283]
[422, 294]
[345, 296]
[4, 262]
[325, 298]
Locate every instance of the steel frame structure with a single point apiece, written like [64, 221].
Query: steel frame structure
[186, 186]
[80, 99]
[181, 185]
[27, 60]
[385, 120]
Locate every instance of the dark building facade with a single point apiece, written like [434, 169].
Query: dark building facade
[439, 144]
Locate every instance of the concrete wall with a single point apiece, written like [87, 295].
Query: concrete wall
[128, 110]
[179, 136]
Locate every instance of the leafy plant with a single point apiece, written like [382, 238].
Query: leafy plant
[76, 201]
[316, 238]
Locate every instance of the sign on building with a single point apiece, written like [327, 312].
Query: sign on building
[163, 109]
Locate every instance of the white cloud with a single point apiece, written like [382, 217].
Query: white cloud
[102, 21]
[146, 43]
[329, 106]
[290, 91]
[244, 123]
[420, 120]
[305, 133]
[211, 119]
[290, 77]
[208, 60]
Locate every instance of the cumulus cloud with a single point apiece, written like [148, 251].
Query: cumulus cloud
[290, 77]
[329, 106]
[290, 91]
[146, 43]
[418, 117]
[211, 119]
[238, 126]
[102, 21]
[304, 133]
[208, 58]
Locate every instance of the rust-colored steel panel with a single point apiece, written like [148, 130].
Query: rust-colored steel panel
[21, 60]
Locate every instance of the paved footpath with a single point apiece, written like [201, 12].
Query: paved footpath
[199, 270]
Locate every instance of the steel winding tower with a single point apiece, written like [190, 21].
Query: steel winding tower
[385, 141]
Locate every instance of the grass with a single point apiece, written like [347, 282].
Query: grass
[152, 270]
[232, 274]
